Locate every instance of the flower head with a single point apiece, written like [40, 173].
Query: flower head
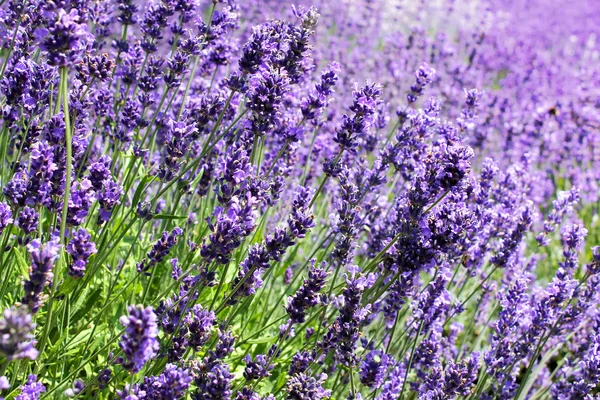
[139, 343]
[16, 334]
[65, 38]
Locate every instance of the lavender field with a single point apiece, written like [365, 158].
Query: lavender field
[304, 200]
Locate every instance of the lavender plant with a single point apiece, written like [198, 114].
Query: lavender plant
[261, 200]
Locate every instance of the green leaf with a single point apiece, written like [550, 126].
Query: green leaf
[263, 340]
[21, 262]
[92, 300]
[196, 180]
[140, 188]
[68, 286]
[82, 337]
[169, 216]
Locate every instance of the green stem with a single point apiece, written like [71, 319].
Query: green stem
[316, 195]
[64, 94]
[277, 157]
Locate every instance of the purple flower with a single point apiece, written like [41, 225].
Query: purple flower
[80, 248]
[129, 119]
[172, 383]
[300, 362]
[393, 385]
[127, 11]
[154, 22]
[224, 346]
[564, 203]
[255, 50]
[453, 165]
[41, 172]
[131, 392]
[176, 68]
[180, 135]
[343, 334]
[373, 368]
[43, 256]
[16, 335]
[459, 378]
[249, 277]
[469, 112]
[64, 38]
[318, 98]
[307, 296]
[301, 220]
[31, 390]
[514, 303]
[366, 100]
[510, 243]
[15, 190]
[5, 216]
[78, 387]
[258, 368]
[228, 230]
[424, 76]
[108, 197]
[104, 377]
[81, 199]
[171, 309]
[234, 168]
[28, 220]
[14, 83]
[139, 343]
[265, 94]
[433, 302]
[348, 221]
[199, 323]
[213, 382]
[98, 67]
[160, 249]
[303, 387]
[99, 172]
[247, 394]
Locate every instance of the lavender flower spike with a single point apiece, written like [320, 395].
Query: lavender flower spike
[80, 248]
[16, 334]
[31, 390]
[43, 257]
[139, 343]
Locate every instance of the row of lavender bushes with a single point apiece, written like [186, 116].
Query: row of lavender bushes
[256, 200]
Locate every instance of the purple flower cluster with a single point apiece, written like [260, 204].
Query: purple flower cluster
[139, 342]
[347, 200]
[64, 37]
[31, 390]
[16, 335]
[160, 249]
[81, 249]
[43, 256]
[307, 296]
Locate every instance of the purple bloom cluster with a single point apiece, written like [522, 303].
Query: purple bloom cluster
[31, 390]
[64, 37]
[213, 380]
[307, 296]
[16, 335]
[172, 383]
[139, 342]
[348, 200]
[366, 100]
[160, 249]
[43, 256]
[80, 248]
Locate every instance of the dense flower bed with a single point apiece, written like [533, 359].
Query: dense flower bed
[334, 199]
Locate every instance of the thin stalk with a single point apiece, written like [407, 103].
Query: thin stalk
[64, 94]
